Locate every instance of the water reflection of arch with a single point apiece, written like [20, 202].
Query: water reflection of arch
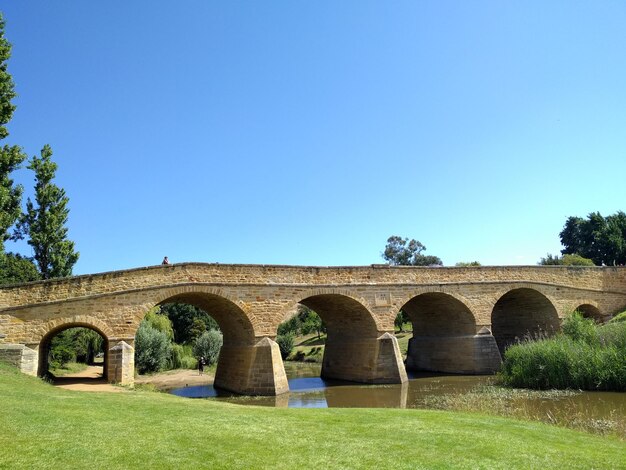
[520, 312]
[389, 396]
[56, 326]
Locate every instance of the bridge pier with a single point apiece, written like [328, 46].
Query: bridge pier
[365, 360]
[466, 354]
[252, 370]
[21, 356]
[120, 367]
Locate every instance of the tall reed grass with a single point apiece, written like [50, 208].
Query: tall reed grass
[583, 356]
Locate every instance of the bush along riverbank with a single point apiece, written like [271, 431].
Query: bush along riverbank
[583, 356]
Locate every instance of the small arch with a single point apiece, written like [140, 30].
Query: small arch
[522, 312]
[590, 311]
[56, 327]
[439, 314]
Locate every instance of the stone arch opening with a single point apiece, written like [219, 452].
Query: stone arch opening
[445, 338]
[590, 311]
[355, 349]
[245, 364]
[439, 314]
[232, 320]
[523, 313]
[343, 316]
[82, 339]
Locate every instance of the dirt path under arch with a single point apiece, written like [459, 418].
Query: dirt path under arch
[90, 380]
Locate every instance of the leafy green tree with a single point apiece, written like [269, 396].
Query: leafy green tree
[188, 322]
[285, 343]
[15, 269]
[45, 222]
[152, 349]
[160, 322]
[565, 260]
[310, 321]
[464, 264]
[600, 239]
[404, 252]
[11, 157]
[400, 320]
[209, 345]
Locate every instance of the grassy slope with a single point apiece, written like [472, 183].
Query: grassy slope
[307, 342]
[42, 427]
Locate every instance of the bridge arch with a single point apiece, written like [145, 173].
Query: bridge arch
[245, 364]
[342, 314]
[439, 314]
[54, 327]
[445, 338]
[355, 349]
[234, 322]
[520, 312]
[591, 311]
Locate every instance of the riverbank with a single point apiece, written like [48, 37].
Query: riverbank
[143, 429]
[89, 379]
[170, 379]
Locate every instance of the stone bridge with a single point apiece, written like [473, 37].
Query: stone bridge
[463, 317]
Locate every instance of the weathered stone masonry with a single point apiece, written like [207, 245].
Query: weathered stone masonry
[463, 318]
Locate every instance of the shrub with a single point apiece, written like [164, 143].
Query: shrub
[152, 349]
[620, 317]
[182, 357]
[285, 343]
[160, 322]
[208, 345]
[584, 356]
[580, 328]
[61, 355]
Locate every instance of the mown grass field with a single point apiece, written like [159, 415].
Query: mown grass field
[45, 427]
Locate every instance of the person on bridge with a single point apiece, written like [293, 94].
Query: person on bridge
[165, 261]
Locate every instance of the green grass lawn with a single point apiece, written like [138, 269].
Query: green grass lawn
[46, 427]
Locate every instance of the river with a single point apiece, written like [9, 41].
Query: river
[308, 390]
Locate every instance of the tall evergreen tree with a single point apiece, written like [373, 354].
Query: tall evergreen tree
[11, 157]
[45, 222]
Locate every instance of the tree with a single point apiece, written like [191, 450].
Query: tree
[152, 349]
[15, 269]
[188, 322]
[400, 320]
[404, 252]
[310, 322]
[11, 157]
[208, 346]
[565, 260]
[160, 322]
[45, 223]
[600, 239]
[463, 264]
[285, 344]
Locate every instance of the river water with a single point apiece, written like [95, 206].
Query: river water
[308, 390]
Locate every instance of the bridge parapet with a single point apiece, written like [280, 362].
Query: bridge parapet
[589, 278]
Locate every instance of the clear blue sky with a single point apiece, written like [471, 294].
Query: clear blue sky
[307, 133]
